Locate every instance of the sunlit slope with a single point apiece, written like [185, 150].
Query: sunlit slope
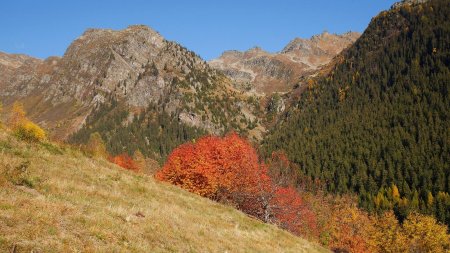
[54, 199]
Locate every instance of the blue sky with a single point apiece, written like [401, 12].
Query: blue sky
[46, 28]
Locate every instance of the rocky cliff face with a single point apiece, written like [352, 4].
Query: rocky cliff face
[135, 66]
[265, 73]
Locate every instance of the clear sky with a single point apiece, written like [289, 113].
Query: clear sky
[208, 27]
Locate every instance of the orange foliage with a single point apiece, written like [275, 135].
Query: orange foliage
[227, 169]
[350, 230]
[213, 165]
[291, 212]
[23, 127]
[124, 161]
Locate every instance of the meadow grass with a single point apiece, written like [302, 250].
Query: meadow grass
[55, 199]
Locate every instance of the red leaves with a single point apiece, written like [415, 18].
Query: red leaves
[227, 169]
[287, 207]
[124, 161]
[211, 165]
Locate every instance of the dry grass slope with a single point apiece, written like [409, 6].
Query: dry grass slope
[54, 199]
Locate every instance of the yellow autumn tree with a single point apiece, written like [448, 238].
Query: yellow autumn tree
[29, 131]
[22, 127]
[424, 234]
[430, 200]
[386, 234]
[350, 231]
[395, 193]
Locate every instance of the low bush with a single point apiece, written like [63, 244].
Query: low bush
[29, 131]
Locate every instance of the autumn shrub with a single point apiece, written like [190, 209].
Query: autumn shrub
[353, 230]
[290, 212]
[350, 228]
[22, 127]
[124, 161]
[29, 131]
[385, 234]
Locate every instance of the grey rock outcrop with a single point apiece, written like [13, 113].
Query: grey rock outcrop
[267, 73]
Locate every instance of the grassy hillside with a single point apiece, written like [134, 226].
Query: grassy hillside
[54, 199]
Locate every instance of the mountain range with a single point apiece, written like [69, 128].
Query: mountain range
[136, 66]
[135, 73]
[363, 116]
[265, 73]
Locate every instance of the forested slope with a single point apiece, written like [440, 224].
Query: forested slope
[381, 118]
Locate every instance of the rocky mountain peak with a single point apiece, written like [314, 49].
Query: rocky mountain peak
[279, 72]
[322, 36]
[255, 51]
[321, 41]
[93, 40]
[135, 66]
[295, 44]
[231, 54]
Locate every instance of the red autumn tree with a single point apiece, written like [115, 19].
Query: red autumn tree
[124, 161]
[213, 167]
[227, 169]
[291, 213]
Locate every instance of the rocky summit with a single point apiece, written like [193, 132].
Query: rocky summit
[136, 67]
[265, 73]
